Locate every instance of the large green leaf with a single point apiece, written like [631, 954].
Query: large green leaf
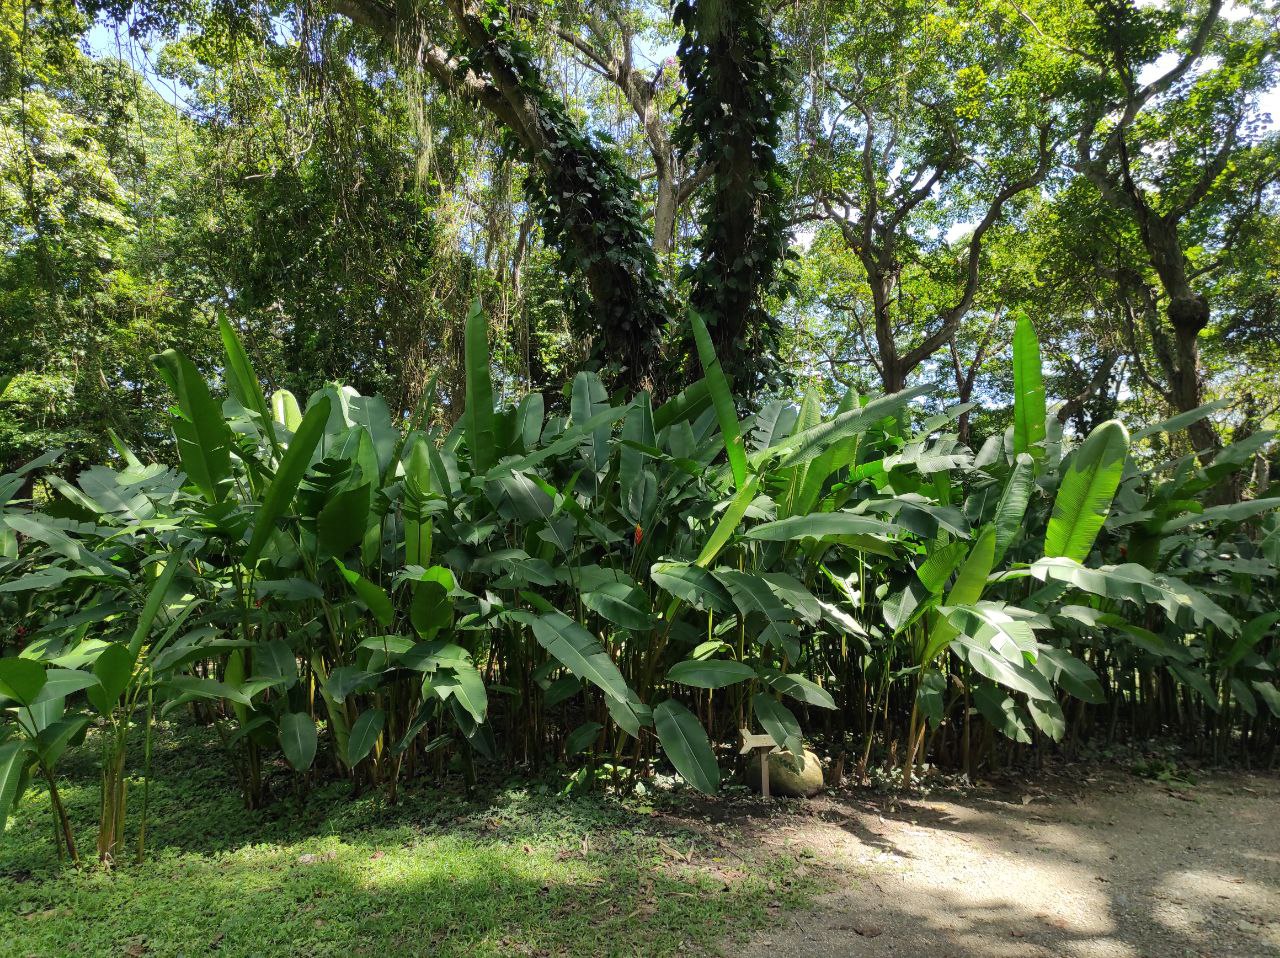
[21, 679]
[710, 673]
[289, 473]
[971, 580]
[193, 686]
[37, 527]
[373, 417]
[298, 740]
[417, 487]
[836, 456]
[285, 409]
[729, 522]
[275, 660]
[1012, 507]
[811, 443]
[569, 439]
[622, 604]
[1184, 419]
[55, 738]
[482, 438]
[531, 414]
[994, 624]
[346, 679]
[967, 589]
[1251, 633]
[341, 524]
[802, 690]
[364, 735]
[941, 559]
[371, 594]
[14, 755]
[1137, 584]
[155, 602]
[577, 650]
[242, 380]
[684, 406]
[59, 683]
[780, 722]
[1067, 672]
[114, 671]
[204, 440]
[793, 477]
[1048, 716]
[1227, 512]
[637, 483]
[822, 525]
[1016, 674]
[752, 595]
[516, 496]
[1085, 493]
[432, 606]
[1001, 711]
[721, 400]
[1028, 391]
[465, 684]
[686, 744]
[581, 738]
[692, 584]
[587, 399]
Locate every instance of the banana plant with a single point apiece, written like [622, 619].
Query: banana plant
[610, 582]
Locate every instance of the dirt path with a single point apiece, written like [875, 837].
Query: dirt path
[1098, 864]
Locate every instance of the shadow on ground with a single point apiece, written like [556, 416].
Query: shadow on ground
[1111, 867]
[506, 872]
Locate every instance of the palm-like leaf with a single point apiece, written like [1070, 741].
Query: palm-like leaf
[1084, 496]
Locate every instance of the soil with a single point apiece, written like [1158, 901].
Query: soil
[1088, 863]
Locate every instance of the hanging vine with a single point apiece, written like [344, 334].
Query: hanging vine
[582, 195]
[737, 91]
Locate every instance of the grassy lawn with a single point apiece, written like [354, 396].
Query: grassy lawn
[517, 870]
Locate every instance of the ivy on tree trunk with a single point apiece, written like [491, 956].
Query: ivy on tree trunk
[737, 92]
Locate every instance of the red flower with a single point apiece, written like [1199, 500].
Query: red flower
[639, 533]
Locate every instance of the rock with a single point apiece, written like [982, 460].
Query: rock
[786, 774]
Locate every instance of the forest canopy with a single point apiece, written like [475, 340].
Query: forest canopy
[852, 194]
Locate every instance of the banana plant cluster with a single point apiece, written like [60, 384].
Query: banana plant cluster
[607, 581]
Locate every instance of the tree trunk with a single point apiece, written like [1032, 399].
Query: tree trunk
[582, 193]
[666, 202]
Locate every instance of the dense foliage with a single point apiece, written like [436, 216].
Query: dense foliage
[624, 586]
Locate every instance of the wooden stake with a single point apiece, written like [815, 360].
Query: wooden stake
[750, 742]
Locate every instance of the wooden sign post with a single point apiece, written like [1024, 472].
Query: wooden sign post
[750, 742]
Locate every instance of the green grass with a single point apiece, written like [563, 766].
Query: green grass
[520, 870]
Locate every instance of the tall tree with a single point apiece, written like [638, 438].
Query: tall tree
[583, 195]
[608, 39]
[85, 147]
[736, 96]
[1169, 132]
[921, 126]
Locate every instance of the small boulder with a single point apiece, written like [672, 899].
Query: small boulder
[789, 776]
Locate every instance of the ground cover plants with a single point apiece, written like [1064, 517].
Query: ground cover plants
[503, 872]
[615, 587]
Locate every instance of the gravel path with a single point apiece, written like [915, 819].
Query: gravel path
[1095, 864]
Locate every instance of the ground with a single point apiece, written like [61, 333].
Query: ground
[516, 869]
[1087, 861]
[1091, 862]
